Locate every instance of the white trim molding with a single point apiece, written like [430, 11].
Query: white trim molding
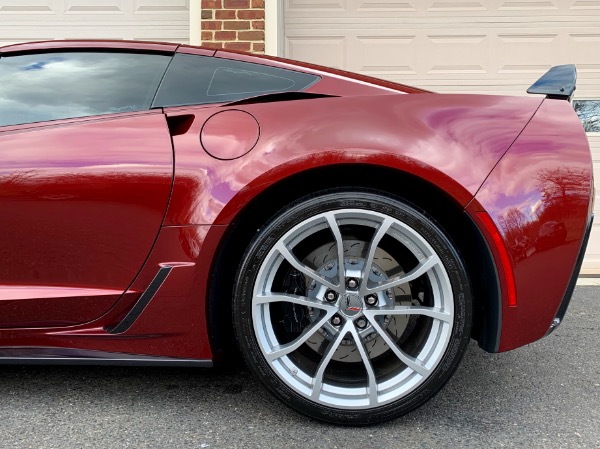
[274, 27]
[195, 22]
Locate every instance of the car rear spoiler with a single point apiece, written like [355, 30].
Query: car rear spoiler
[558, 82]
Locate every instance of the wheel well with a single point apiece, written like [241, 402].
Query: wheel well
[425, 196]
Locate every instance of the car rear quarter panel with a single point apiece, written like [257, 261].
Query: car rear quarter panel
[545, 178]
[453, 141]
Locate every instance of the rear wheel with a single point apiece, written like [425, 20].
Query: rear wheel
[352, 307]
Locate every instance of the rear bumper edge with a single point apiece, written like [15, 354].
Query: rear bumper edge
[562, 309]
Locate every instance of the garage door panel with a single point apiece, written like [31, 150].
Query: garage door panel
[392, 55]
[312, 6]
[29, 7]
[158, 20]
[160, 6]
[324, 50]
[592, 260]
[95, 6]
[477, 56]
[440, 8]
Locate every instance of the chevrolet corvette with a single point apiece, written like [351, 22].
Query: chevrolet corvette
[346, 236]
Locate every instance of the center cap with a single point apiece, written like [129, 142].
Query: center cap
[351, 304]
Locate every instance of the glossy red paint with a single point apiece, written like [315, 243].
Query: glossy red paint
[173, 324]
[98, 205]
[89, 44]
[546, 176]
[441, 136]
[508, 286]
[229, 134]
[190, 50]
[86, 201]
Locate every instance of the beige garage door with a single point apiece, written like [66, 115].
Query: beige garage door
[28, 20]
[485, 46]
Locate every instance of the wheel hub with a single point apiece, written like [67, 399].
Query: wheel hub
[351, 305]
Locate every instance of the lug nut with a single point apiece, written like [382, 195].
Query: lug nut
[336, 320]
[371, 300]
[330, 296]
[361, 322]
[352, 283]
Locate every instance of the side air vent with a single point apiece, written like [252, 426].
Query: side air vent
[279, 96]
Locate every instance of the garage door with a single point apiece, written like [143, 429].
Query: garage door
[28, 20]
[485, 46]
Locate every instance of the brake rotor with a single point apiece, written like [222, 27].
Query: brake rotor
[325, 258]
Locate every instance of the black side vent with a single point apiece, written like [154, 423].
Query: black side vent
[279, 96]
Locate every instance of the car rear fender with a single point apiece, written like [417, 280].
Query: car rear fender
[546, 176]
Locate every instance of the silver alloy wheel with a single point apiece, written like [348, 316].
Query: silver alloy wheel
[304, 362]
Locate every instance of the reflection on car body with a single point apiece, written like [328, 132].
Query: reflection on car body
[162, 204]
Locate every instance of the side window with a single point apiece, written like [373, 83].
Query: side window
[203, 79]
[51, 86]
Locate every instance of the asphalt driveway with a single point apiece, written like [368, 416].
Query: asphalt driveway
[543, 395]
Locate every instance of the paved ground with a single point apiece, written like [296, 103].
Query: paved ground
[544, 395]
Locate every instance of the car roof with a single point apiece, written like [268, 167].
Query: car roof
[84, 44]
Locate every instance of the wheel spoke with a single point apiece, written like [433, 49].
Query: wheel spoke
[339, 242]
[294, 299]
[432, 312]
[409, 361]
[287, 255]
[307, 332]
[383, 228]
[318, 380]
[362, 350]
[423, 267]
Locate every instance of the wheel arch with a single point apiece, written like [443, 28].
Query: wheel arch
[436, 203]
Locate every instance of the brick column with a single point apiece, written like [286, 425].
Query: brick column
[234, 24]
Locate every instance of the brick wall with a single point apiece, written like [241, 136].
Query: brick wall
[234, 24]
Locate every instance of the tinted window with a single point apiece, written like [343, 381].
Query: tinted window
[52, 86]
[199, 79]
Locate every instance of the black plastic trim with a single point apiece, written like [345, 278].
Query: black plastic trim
[141, 303]
[489, 334]
[564, 304]
[559, 82]
[69, 356]
[279, 97]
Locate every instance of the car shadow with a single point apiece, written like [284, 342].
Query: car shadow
[479, 385]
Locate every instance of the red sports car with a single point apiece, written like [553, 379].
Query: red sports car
[172, 205]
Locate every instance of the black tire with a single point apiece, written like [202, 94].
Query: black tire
[278, 300]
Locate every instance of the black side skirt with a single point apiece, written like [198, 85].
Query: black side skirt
[68, 356]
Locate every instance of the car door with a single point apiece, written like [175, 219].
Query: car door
[85, 177]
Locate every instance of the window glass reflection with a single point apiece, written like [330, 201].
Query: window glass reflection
[200, 79]
[52, 86]
[589, 114]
